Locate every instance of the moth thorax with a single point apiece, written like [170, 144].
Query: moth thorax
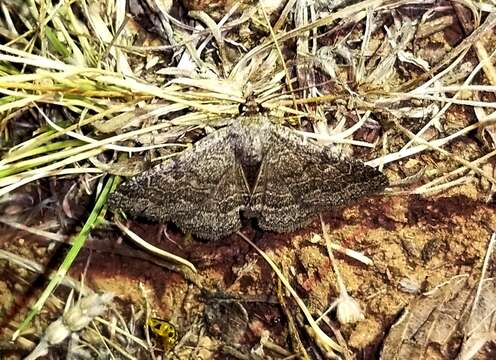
[249, 150]
[249, 153]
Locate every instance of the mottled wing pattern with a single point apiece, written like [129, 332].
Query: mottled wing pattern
[202, 190]
[298, 180]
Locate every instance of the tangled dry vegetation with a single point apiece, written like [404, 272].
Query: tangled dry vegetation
[93, 91]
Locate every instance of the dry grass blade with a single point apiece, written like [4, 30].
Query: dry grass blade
[153, 249]
[447, 153]
[487, 258]
[321, 337]
[38, 232]
[347, 309]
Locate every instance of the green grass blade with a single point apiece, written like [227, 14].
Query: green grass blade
[77, 244]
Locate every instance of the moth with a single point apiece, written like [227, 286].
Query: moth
[250, 169]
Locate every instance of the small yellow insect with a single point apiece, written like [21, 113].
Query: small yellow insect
[165, 330]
